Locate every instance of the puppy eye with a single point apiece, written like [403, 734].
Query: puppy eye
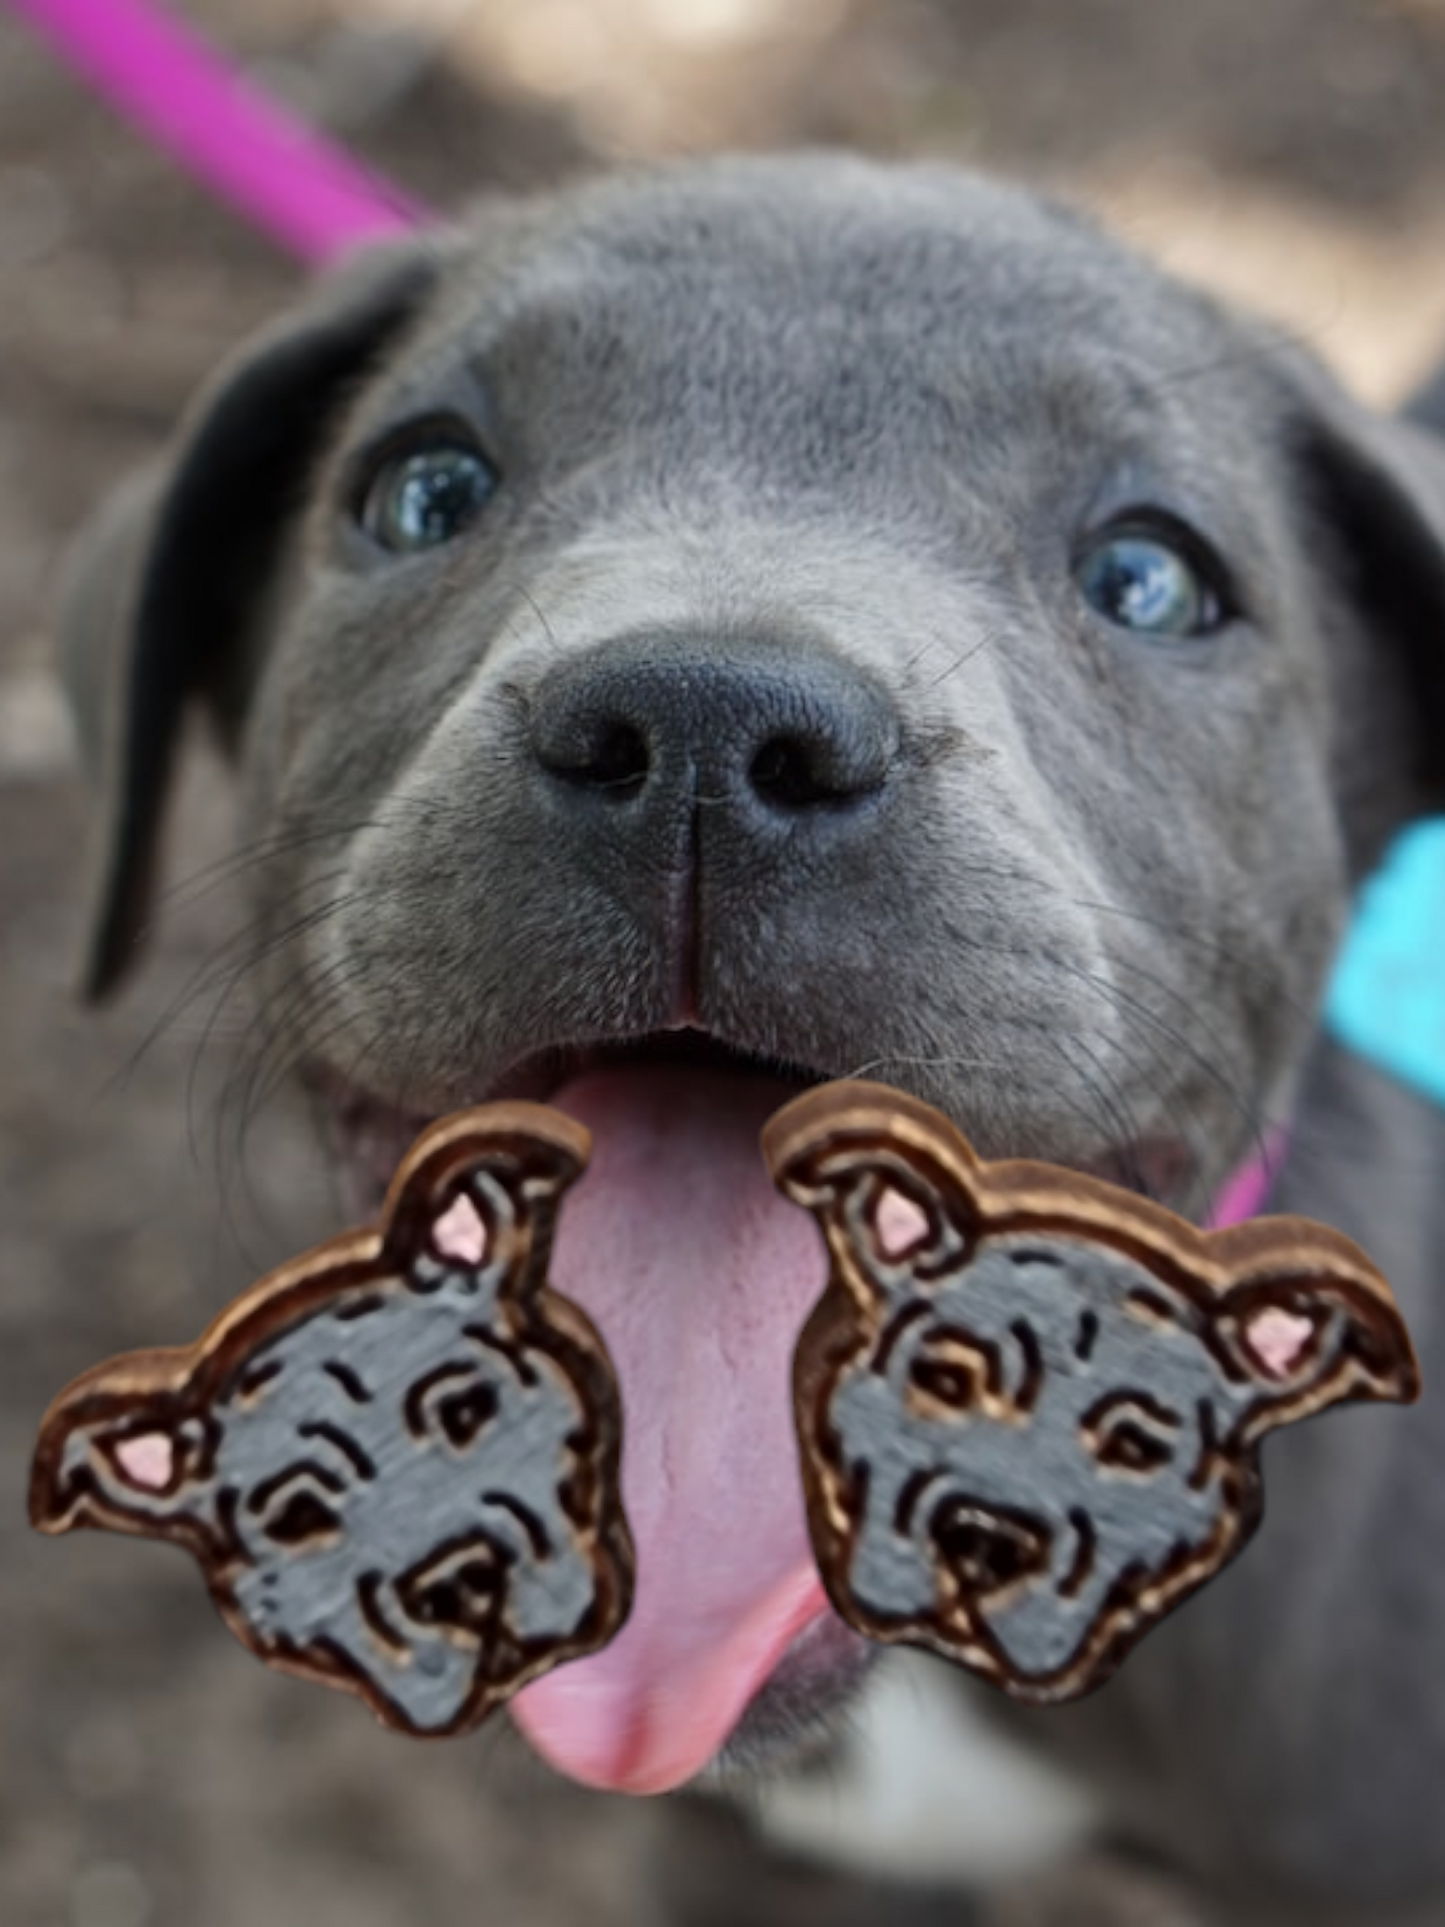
[1128, 1446]
[420, 497]
[1155, 582]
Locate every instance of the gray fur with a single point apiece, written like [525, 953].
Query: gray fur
[818, 411]
[1285, 1732]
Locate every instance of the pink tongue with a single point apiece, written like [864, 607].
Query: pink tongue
[699, 1277]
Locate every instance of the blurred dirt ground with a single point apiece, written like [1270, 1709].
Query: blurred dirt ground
[151, 1775]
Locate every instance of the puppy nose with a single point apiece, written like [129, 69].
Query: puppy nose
[987, 1549]
[771, 734]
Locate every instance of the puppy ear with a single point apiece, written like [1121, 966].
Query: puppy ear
[121, 1448]
[1426, 407]
[1371, 490]
[161, 594]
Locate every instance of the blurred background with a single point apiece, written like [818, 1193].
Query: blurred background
[1290, 153]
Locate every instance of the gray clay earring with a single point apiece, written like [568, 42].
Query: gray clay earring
[1029, 1403]
[396, 1457]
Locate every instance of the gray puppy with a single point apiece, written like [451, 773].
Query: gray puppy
[763, 620]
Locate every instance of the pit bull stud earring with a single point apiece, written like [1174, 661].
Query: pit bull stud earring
[1029, 1403]
[396, 1457]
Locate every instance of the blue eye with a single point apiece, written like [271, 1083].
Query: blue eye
[1148, 583]
[427, 496]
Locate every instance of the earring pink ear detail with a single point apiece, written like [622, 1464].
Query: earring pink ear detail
[1029, 1403]
[396, 1458]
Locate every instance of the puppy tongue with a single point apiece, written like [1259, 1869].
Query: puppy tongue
[699, 1277]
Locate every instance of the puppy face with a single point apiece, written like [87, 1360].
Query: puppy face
[724, 443]
[756, 622]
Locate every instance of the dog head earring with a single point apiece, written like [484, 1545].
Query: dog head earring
[1029, 1403]
[396, 1457]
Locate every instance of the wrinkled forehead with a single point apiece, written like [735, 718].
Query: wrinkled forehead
[921, 303]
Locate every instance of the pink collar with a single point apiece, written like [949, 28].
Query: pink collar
[1244, 1194]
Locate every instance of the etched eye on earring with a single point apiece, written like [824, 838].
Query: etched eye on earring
[1029, 1403]
[396, 1457]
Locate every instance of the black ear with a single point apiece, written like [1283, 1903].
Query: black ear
[164, 589]
[1426, 407]
[1372, 492]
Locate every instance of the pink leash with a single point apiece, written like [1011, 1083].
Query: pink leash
[290, 182]
[312, 198]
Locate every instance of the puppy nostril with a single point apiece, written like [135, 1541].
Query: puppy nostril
[613, 755]
[782, 772]
[794, 772]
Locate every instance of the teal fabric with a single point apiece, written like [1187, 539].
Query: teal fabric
[1387, 997]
